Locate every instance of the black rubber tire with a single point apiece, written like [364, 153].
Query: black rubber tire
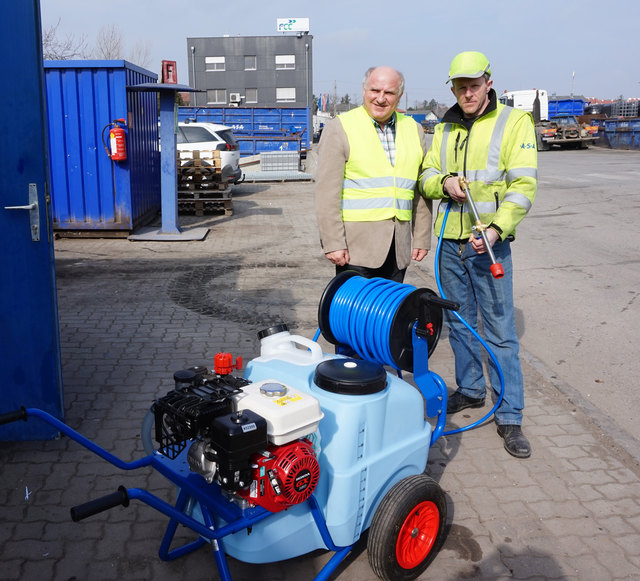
[413, 498]
[189, 168]
[147, 432]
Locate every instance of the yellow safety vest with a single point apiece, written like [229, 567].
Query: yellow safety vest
[373, 189]
[498, 157]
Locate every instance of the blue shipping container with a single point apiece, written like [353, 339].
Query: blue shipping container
[419, 117]
[88, 190]
[257, 129]
[566, 107]
[623, 133]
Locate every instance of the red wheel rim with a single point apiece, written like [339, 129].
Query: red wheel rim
[417, 535]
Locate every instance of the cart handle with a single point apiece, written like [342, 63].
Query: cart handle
[13, 416]
[97, 505]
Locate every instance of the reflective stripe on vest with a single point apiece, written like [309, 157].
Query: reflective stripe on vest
[488, 184]
[372, 188]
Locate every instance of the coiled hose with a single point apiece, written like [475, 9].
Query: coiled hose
[362, 314]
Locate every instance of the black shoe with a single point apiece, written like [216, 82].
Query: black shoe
[458, 402]
[515, 442]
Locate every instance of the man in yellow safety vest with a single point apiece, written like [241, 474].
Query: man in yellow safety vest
[368, 165]
[493, 149]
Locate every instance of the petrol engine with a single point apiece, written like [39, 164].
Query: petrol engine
[251, 439]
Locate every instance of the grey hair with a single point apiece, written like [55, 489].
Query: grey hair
[367, 74]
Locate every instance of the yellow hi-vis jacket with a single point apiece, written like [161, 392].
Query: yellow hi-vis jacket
[373, 189]
[499, 158]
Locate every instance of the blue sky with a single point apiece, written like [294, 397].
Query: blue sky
[589, 46]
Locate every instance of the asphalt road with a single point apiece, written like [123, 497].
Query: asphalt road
[577, 283]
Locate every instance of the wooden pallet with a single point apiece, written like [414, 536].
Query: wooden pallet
[200, 207]
[199, 170]
[211, 194]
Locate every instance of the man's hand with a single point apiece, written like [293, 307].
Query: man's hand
[478, 243]
[452, 188]
[338, 257]
[418, 254]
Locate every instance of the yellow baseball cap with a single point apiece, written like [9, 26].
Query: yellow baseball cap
[470, 65]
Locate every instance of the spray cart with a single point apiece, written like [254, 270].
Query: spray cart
[305, 450]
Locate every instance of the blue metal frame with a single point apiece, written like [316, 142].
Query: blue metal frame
[210, 500]
[431, 385]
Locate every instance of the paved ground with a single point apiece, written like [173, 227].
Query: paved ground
[131, 313]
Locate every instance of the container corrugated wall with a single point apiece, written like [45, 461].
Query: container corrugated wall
[623, 133]
[257, 129]
[566, 107]
[88, 190]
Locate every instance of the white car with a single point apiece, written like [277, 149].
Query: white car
[210, 136]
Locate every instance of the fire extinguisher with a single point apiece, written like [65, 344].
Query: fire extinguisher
[117, 149]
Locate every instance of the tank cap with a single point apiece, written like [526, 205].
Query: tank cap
[350, 376]
[184, 377]
[272, 330]
[273, 389]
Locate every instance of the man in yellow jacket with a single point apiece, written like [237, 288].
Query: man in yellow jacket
[492, 148]
[369, 161]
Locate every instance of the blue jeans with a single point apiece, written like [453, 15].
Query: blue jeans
[465, 278]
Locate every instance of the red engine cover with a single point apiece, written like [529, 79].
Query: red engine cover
[286, 476]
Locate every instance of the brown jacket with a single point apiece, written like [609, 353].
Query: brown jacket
[367, 242]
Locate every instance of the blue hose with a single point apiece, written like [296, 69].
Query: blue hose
[475, 334]
[362, 313]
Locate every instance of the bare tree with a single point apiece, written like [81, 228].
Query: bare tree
[109, 43]
[56, 48]
[140, 54]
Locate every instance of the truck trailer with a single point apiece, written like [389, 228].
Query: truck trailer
[563, 131]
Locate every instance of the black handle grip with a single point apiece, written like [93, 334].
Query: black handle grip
[100, 504]
[431, 299]
[14, 416]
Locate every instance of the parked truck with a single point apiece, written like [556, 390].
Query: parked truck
[561, 130]
[564, 131]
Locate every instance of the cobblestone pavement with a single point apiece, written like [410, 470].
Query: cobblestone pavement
[131, 313]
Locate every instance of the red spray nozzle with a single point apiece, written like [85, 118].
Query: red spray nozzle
[496, 270]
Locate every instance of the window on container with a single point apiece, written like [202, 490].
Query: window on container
[285, 94]
[214, 63]
[285, 61]
[250, 63]
[251, 95]
[217, 96]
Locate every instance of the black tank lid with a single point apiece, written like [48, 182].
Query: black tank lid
[350, 376]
